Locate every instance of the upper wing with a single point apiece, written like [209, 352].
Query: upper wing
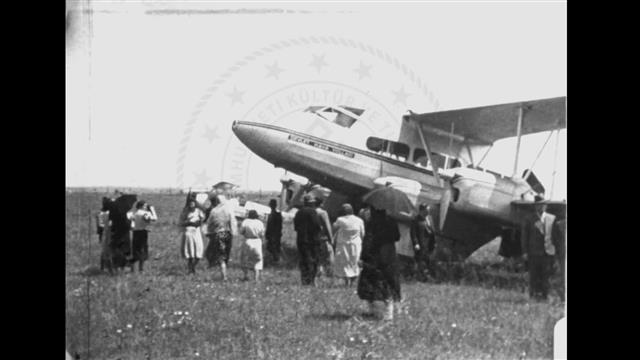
[486, 124]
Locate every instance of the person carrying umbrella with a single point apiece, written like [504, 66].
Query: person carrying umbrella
[379, 279]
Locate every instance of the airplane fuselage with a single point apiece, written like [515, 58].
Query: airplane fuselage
[352, 171]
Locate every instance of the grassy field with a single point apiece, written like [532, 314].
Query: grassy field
[165, 314]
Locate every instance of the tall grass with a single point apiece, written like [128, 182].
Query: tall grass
[165, 314]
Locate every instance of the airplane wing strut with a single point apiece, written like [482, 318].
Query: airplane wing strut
[519, 135]
[428, 151]
[526, 175]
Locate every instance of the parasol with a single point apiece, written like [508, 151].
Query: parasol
[394, 201]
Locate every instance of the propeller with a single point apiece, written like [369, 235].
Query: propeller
[283, 196]
[445, 200]
[533, 181]
[285, 180]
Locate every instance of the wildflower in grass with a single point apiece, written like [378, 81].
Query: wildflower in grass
[129, 326]
[454, 325]
[119, 331]
[196, 353]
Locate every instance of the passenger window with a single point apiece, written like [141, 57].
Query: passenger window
[420, 157]
[390, 148]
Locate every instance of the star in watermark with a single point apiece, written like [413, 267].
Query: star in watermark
[236, 96]
[363, 70]
[318, 62]
[401, 96]
[274, 70]
[201, 178]
[211, 134]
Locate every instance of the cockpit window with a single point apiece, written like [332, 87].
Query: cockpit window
[376, 144]
[342, 115]
[388, 147]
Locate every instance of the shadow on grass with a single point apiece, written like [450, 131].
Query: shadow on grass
[94, 271]
[341, 316]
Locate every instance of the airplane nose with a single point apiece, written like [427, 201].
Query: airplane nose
[244, 132]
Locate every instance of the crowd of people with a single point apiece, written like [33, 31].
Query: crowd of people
[372, 249]
[123, 235]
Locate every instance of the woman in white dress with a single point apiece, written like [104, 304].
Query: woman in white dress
[192, 247]
[348, 232]
[252, 229]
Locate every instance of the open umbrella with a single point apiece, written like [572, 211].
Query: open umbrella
[394, 201]
[125, 202]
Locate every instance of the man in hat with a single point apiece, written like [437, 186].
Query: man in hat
[307, 225]
[538, 249]
[423, 237]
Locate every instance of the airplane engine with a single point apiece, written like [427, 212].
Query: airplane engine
[481, 194]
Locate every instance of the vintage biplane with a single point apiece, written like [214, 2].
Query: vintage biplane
[443, 151]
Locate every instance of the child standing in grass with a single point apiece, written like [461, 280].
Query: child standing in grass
[251, 251]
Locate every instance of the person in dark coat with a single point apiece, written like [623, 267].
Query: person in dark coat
[538, 249]
[307, 225]
[273, 233]
[559, 237]
[423, 237]
[119, 244]
[380, 278]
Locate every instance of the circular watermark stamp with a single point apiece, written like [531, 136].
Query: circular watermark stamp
[274, 85]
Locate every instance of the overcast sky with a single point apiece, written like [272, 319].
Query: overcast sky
[152, 87]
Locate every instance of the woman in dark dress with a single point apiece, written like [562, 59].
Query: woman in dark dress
[380, 279]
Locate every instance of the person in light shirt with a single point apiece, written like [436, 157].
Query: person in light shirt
[191, 219]
[102, 218]
[140, 219]
[348, 233]
[252, 229]
[221, 228]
